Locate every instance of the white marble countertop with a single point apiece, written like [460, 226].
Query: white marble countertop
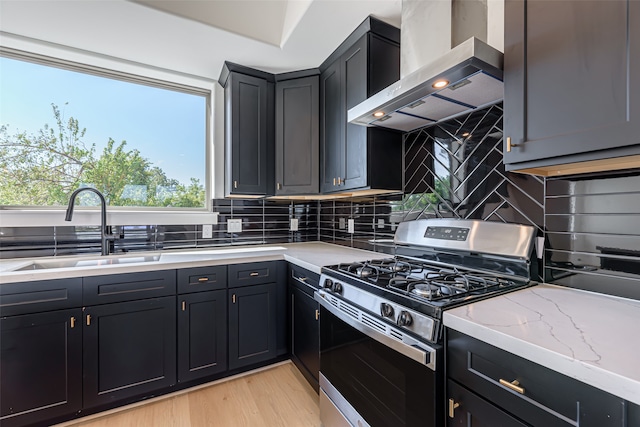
[587, 336]
[310, 255]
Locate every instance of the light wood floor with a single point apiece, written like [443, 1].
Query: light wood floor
[277, 396]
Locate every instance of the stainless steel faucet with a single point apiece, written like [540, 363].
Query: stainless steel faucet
[105, 231]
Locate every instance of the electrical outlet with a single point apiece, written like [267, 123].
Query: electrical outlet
[350, 226]
[381, 223]
[293, 225]
[207, 231]
[341, 223]
[234, 226]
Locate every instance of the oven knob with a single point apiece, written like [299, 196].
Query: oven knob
[404, 318]
[386, 310]
[337, 288]
[328, 283]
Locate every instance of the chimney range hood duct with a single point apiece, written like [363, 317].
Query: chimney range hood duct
[472, 70]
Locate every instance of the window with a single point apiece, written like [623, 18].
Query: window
[141, 142]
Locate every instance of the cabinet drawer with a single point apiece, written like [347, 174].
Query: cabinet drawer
[128, 287]
[43, 295]
[202, 279]
[540, 396]
[252, 274]
[305, 278]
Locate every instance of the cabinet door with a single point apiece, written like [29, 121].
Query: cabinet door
[129, 349]
[252, 324]
[297, 136]
[246, 135]
[305, 333]
[355, 64]
[202, 334]
[570, 78]
[40, 366]
[473, 411]
[332, 127]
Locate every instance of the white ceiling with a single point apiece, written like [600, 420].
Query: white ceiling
[196, 37]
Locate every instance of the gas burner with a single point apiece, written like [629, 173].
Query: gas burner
[403, 267]
[427, 290]
[365, 271]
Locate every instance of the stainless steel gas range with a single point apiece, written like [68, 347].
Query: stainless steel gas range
[381, 333]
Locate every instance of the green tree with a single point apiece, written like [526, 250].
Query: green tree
[42, 169]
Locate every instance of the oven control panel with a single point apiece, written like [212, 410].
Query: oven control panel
[447, 233]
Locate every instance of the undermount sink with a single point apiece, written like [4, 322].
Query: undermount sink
[89, 262]
[165, 257]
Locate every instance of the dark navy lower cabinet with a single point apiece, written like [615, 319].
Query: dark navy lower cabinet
[40, 366]
[466, 409]
[202, 334]
[252, 324]
[305, 328]
[492, 387]
[129, 349]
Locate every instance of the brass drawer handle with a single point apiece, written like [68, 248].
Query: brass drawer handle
[452, 408]
[235, 184]
[254, 274]
[203, 279]
[513, 385]
[317, 314]
[73, 322]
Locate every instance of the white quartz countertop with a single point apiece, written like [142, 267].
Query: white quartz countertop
[310, 255]
[587, 336]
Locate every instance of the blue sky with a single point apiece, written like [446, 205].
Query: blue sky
[167, 127]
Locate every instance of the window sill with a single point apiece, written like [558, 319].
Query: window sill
[82, 217]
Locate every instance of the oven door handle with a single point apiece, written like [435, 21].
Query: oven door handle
[408, 346]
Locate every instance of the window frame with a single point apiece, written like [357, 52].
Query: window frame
[49, 54]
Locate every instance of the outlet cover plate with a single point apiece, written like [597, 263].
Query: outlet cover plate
[234, 226]
[207, 231]
[293, 226]
[350, 226]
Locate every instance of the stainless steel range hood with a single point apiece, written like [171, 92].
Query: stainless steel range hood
[472, 69]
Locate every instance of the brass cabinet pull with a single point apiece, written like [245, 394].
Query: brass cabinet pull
[513, 385]
[510, 144]
[334, 181]
[235, 184]
[88, 320]
[254, 274]
[452, 408]
[233, 298]
[73, 322]
[340, 181]
[278, 186]
[317, 314]
[184, 305]
[302, 279]
[203, 279]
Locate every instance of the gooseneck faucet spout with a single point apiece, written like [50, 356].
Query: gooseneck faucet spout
[105, 233]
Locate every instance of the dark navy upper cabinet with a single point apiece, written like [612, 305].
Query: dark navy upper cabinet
[570, 85]
[351, 156]
[297, 134]
[248, 129]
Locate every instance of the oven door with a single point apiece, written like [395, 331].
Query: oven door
[372, 379]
